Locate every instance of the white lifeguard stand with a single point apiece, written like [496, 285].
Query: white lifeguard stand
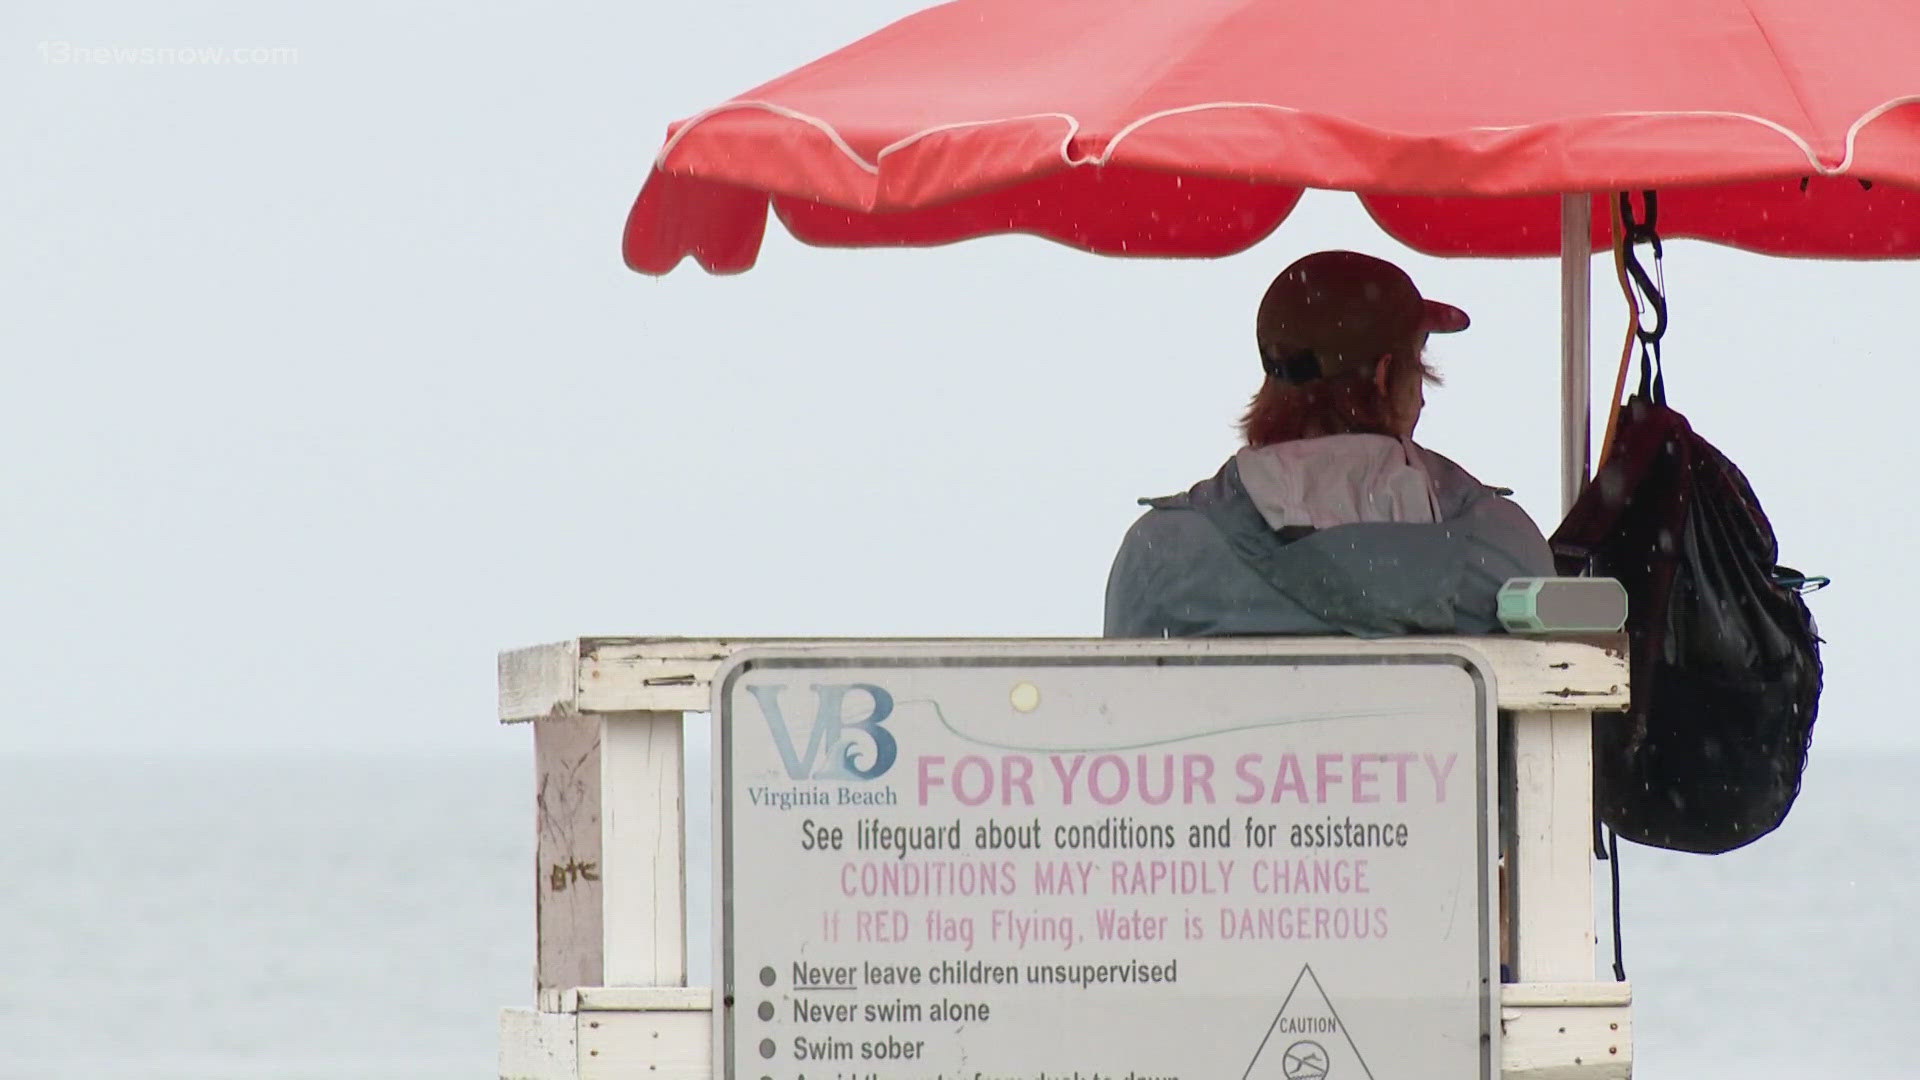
[610, 987]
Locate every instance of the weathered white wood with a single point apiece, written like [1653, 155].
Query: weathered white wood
[537, 1045]
[1553, 851]
[1567, 1042]
[667, 1045]
[646, 683]
[643, 841]
[1572, 675]
[538, 681]
[568, 877]
[673, 674]
[641, 999]
[658, 673]
[1551, 995]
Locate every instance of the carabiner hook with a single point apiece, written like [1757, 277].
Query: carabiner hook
[1645, 231]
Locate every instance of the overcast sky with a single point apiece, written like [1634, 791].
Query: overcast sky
[324, 382]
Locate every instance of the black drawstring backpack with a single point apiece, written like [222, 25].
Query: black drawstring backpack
[1726, 659]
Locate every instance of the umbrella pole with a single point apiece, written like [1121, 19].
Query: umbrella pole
[1576, 408]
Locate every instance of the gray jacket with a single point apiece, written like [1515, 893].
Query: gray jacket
[1357, 534]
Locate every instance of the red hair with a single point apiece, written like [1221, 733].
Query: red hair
[1336, 405]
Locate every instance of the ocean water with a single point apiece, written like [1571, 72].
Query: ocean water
[292, 917]
[262, 917]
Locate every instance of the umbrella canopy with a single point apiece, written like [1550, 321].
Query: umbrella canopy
[1190, 127]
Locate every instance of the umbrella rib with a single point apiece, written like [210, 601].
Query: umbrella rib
[1813, 158]
[1869, 117]
[1066, 143]
[659, 161]
[1786, 77]
[1106, 154]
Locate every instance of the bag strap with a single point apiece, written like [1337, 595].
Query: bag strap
[1613, 859]
[1652, 287]
[1633, 333]
[1634, 279]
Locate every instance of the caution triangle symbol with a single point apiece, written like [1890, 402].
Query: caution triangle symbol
[1307, 1039]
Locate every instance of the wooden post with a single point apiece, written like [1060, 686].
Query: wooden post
[1552, 869]
[611, 857]
[568, 877]
[643, 838]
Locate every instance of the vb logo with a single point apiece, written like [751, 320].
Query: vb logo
[828, 756]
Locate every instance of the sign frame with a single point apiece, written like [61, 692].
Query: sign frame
[1100, 652]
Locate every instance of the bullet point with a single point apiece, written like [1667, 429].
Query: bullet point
[767, 976]
[766, 1048]
[766, 1010]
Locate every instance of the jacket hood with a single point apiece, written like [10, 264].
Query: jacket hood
[1339, 480]
[1290, 484]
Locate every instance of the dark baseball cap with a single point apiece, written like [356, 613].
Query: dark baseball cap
[1336, 312]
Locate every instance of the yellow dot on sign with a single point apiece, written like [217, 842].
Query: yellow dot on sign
[1025, 696]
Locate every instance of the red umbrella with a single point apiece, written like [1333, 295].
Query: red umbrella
[1189, 127]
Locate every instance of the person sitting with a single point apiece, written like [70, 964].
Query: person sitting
[1330, 519]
